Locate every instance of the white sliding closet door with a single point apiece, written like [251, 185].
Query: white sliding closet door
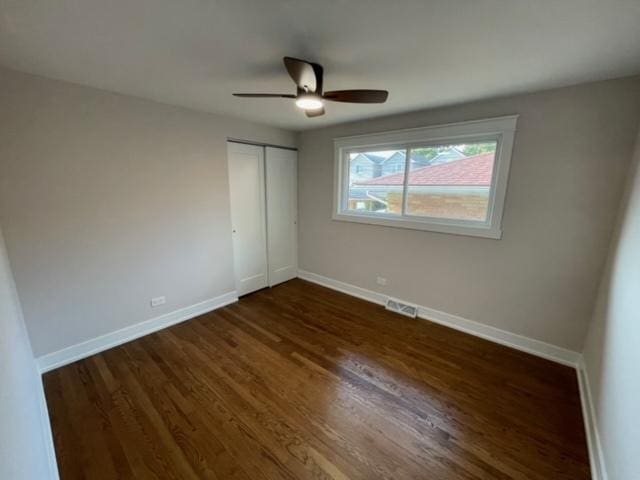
[248, 221]
[282, 214]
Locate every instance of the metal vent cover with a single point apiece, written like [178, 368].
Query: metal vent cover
[402, 308]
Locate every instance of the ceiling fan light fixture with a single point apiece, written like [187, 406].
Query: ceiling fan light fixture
[308, 101]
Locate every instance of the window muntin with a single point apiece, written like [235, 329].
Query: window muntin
[450, 178]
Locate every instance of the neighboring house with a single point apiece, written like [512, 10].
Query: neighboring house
[365, 166]
[456, 189]
[448, 155]
[394, 164]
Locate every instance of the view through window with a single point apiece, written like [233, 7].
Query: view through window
[449, 181]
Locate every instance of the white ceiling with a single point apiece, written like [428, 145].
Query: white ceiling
[195, 53]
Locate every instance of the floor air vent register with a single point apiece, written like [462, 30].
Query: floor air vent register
[405, 309]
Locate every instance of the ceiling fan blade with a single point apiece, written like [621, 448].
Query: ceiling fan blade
[314, 113]
[302, 73]
[263, 95]
[357, 96]
[319, 73]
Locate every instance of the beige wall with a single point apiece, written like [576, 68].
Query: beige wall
[571, 153]
[612, 350]
[108, 201]
[26, 445]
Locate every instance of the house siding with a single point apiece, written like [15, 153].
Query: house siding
[463, 207]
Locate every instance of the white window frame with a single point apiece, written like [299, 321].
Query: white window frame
[500, 129]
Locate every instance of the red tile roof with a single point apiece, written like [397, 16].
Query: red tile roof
[470, 171]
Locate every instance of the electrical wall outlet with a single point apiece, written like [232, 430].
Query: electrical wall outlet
[157, 301]
[381, 281]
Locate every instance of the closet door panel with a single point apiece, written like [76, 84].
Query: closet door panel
[282, 212]
[247, 196]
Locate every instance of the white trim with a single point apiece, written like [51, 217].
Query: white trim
[446, 130]
[362, 293]
[501, 130]
[95, 345]
[432, 226]
[48, 436]
[596, 453]
[503, 337]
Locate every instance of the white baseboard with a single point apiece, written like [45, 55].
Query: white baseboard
[95, 345]
[503, 337]
[343, 287]
[48, 436]
[596, 454]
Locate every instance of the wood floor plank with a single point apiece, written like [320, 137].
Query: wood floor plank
[301, 382]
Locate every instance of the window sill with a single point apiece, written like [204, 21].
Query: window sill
[430, 226]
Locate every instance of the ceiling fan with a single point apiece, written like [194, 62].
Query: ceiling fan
[308, 79]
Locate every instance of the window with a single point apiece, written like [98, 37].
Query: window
[450, 178]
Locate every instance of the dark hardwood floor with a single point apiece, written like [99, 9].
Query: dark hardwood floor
[300, 381]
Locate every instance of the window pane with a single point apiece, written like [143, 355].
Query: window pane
[376, 181]
[451, 181]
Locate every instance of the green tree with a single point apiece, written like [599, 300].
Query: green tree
[430, 152]
[478, 148]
